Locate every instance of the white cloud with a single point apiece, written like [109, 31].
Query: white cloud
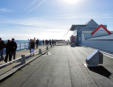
[35, 4]
[35, 23]
[34, 27]
[5, 10]
[27, 34]
[44, 28]
[85, 16]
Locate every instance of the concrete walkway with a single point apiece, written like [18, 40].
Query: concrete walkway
[63, 66]
[8, 68]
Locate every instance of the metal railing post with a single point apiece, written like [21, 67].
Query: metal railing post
[40, 51]
[23, 59]
[46, 47]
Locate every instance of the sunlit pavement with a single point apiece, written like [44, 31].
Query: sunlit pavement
[63, 66]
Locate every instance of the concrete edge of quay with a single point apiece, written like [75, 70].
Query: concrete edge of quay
[14, 70]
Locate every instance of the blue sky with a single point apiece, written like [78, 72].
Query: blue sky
[48, 19]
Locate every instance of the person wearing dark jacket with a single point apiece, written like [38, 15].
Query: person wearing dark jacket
[2, 45]
[8, 51]
[13, 49]
[43, 42]
[31, 47]
[37, 43]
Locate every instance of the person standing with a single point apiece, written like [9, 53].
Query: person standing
[37, 43]
[50, 42]
[2, 45]
[34, 40]
[47, 42]
[8, 51]
[43, 42]
[13, 45]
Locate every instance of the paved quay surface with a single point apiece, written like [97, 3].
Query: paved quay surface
[10, 68]
[63, 66]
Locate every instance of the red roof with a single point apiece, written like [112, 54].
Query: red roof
[101, 26]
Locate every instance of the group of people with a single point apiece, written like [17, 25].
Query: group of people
[10, 47]
[10, 51]
[49, 42]
[35, 43]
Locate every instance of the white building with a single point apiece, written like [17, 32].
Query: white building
[89, 30]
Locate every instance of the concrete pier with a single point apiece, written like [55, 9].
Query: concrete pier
[63, 68]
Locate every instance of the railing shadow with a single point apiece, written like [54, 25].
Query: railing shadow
[21, 63]
[101, 70]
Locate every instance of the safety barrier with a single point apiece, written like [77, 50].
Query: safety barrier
[94, 59]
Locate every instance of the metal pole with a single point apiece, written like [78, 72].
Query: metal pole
[23, 59]
[40, 51]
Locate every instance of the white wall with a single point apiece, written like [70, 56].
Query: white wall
[103, 45]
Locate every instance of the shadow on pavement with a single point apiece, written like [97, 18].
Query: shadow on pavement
[101, 70]
[18, 65]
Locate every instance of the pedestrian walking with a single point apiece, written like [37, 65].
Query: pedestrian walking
[8, 51]
[2, 45]
[13, 49]
[32, 47]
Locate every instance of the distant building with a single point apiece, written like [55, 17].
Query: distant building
[89, 30]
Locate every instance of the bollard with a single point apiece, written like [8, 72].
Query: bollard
[47, 48]
[23, 59]
[40, 51]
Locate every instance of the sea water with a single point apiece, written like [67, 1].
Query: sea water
[22, 44]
